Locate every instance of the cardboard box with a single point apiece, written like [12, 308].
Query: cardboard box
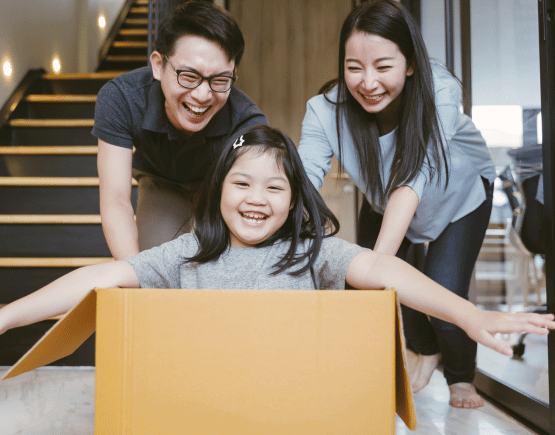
[238, 362]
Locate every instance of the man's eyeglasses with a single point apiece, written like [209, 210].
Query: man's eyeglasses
[191, 79]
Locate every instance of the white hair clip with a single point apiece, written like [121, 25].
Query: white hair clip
[238, 142]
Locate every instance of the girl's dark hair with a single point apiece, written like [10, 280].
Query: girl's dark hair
[418, 132]
[309, 217]
[200, 18]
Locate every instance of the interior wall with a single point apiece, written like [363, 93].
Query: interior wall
[291, 51]
[34, 33]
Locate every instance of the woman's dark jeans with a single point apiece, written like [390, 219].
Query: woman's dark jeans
[449, 261]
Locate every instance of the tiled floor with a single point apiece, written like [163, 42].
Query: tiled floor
[436, 417]
[60, 401]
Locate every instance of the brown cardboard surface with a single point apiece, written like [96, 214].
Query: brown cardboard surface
[62, 339]
[246, 362]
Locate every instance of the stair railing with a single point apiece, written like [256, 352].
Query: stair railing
[157, 10]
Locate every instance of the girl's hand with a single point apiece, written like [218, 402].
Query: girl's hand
[483, 326]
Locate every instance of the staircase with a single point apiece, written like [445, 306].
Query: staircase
[49, 197]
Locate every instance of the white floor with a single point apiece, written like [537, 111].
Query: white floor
[436, 417]
[60, 401]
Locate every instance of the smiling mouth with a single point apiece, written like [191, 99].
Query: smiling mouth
[372, 98]
[254, 218]
[196, 111]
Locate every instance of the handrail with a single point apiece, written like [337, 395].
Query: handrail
[15, 98]
[103, 52]
[155, 17]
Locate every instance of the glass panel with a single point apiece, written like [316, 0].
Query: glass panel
[509, 274]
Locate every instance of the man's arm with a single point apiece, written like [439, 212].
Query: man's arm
[116, 211]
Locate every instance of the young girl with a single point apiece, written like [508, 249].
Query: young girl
[260, 224]
[393, 120]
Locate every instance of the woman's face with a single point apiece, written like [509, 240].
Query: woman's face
[375, 73]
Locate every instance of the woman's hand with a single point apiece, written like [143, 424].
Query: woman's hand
[483, 325]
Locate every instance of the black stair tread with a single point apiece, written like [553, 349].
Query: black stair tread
[53, 240]
[51, 123]
[60, 98]
[49, 150]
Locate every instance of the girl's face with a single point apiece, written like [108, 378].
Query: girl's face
[256, 199]
[375, 73]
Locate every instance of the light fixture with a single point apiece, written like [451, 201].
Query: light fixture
[101, 21]
[7, 68]
[56, 65]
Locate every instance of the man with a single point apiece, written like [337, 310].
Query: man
[177, 114]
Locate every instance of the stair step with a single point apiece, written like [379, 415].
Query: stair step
[127, 58]
[49, 150]
[139, 10]
[51, 123]
[104, 75]
[53, 240]
[136, 21]
[49, 181]
[142, 2]
[52, 181]
[60, 98]
[52, 262]
[130, 44]
[134, 32]
[48, 161]
[50, 219]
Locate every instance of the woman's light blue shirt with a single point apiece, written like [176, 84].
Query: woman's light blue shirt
[469, 158]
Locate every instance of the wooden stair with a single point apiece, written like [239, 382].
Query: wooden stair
[49, 198]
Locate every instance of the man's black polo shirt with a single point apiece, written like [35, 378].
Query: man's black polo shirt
[130, 112]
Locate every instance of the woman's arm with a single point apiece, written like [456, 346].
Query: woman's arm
[398, 214]
[63, 294]
[372, 270]
[118, 222]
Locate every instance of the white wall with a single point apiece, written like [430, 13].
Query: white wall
[34, 32]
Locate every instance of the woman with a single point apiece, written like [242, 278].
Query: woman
[393, 120]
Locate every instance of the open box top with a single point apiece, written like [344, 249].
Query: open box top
[309, 352]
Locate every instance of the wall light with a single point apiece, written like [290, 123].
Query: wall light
[56, 65]
[7, 68]
[101, 21]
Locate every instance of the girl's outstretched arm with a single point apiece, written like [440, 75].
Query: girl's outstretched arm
[372, 270]
[63, 294]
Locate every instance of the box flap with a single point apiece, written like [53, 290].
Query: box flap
[404, 404]
[62, 339]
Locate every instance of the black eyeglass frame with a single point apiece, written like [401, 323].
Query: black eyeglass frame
[202, 78]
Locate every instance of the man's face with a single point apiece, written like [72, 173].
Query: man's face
[190, 110]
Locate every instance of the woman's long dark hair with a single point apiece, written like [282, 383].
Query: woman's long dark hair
[309, 218]
[418, 131]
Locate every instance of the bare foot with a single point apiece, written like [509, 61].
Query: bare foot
[464, 395]
[423, 370]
